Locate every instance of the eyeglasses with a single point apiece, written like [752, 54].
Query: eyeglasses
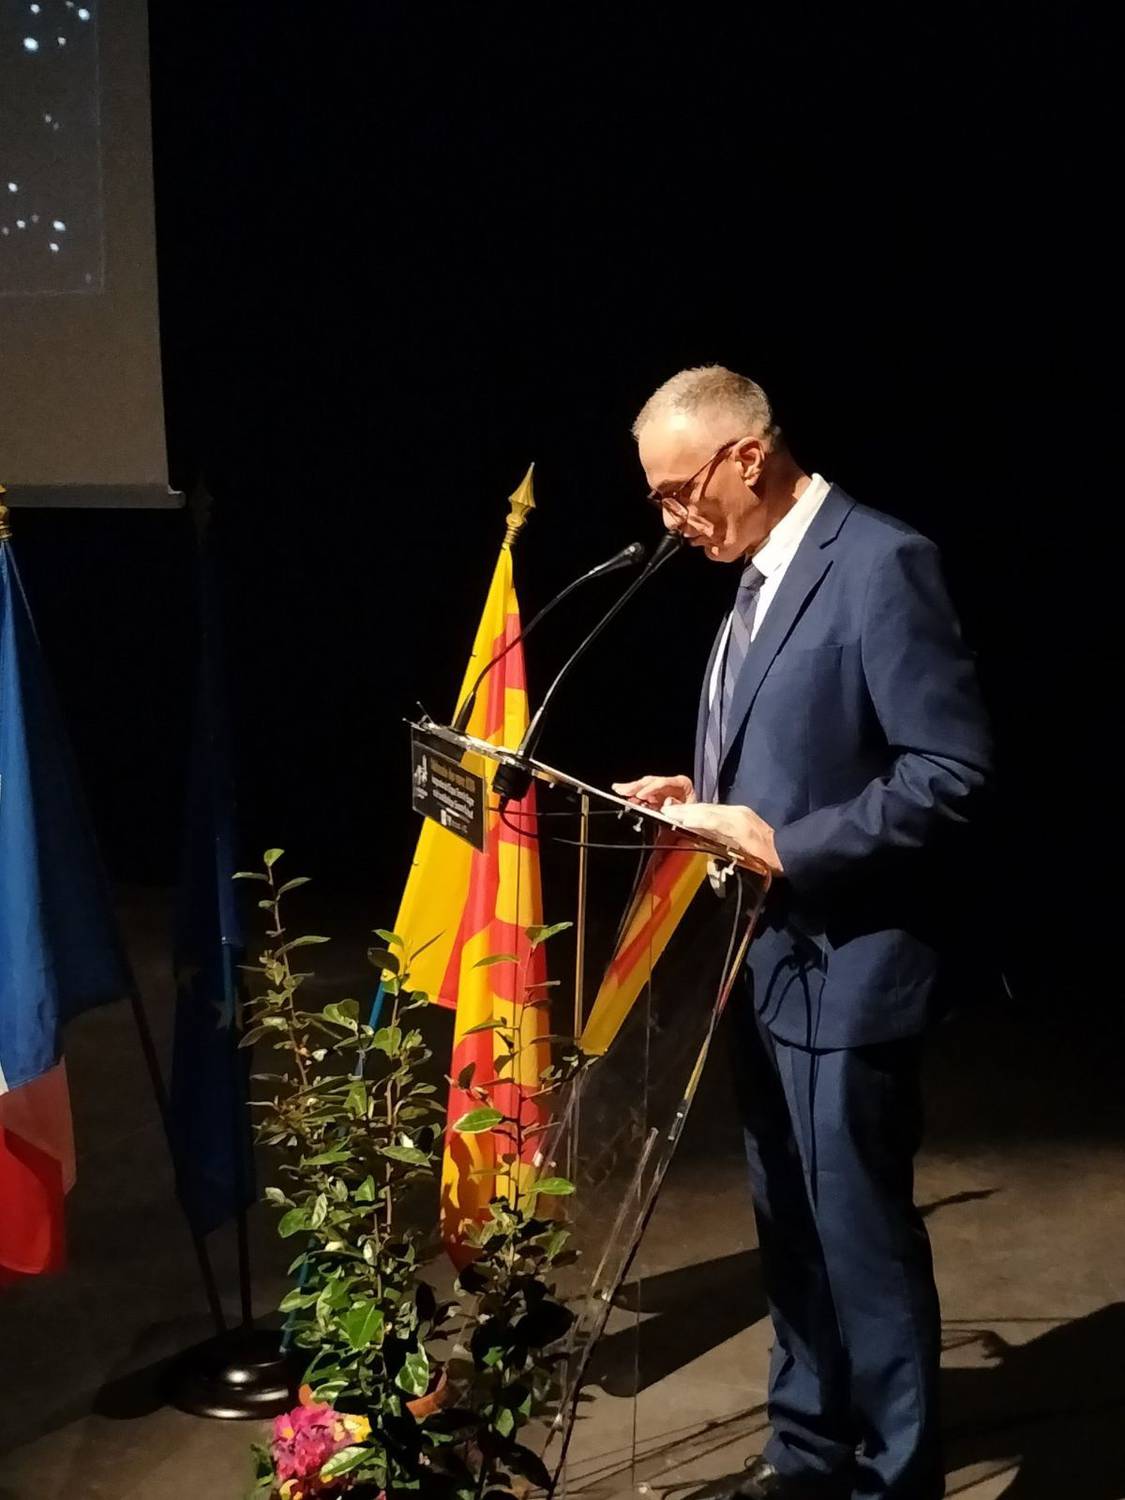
[678, 503]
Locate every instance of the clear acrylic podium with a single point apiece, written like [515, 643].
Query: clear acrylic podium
[661, 923]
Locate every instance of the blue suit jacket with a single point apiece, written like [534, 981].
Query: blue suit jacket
[859, 734]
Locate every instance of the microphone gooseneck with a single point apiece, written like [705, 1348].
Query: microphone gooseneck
[512, 779]
[633, 553]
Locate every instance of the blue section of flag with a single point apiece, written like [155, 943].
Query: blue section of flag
[60, 950]
[209, 1118]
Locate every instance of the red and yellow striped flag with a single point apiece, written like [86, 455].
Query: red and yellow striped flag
[666, 890]
[469, 906]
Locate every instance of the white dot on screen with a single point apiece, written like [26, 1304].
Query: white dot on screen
[55, 126]
[21, 223]
[61, 40]
[53, 248]
[13, 187]
[48, 118]
[83, 13]
[57, 224]
[35, 218]
[35, 9]
[30, 44]
[4, 229]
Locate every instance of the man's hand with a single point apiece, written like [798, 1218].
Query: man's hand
[738, 827]
[657, 791]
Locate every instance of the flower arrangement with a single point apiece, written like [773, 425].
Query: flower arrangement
[311, 1444]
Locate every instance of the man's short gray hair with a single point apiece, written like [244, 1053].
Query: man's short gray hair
[713, 388]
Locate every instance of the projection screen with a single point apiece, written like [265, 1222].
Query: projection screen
[81, 407]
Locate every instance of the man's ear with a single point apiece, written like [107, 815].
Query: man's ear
[749, 456]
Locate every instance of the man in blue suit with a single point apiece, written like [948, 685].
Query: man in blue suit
[842, 740]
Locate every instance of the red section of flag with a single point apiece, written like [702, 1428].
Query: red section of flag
[32, 1233]
[36, 1171]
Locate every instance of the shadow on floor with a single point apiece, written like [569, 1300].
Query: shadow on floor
[682, 1323]
[1053, 1405]
[1052, 1408]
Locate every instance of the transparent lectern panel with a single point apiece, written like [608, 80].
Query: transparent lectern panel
[638, 981]
[655, 953]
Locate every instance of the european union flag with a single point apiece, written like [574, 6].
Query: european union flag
[210, 1122]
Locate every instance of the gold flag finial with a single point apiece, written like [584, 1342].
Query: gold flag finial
[522, 501]
[5, 518]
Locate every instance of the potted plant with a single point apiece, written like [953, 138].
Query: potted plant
[402, 1392]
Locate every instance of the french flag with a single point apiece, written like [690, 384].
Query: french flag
[60, 952]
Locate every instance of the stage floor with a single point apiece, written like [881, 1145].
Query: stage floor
[1022, 1179]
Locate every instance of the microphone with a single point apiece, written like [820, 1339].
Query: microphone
[513, 778]
[633, 553]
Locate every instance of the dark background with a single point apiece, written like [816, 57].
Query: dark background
[405, 249]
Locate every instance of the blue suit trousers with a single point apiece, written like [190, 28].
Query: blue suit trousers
[831, 1137]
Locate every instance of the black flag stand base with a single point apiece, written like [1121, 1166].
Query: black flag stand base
[240, 1375]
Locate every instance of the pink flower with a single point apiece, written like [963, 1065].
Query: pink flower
[309, 1435]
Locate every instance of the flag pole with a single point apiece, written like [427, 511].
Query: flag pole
[160, 1094]
[245, 1371]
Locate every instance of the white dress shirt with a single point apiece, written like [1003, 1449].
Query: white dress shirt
[771, 559]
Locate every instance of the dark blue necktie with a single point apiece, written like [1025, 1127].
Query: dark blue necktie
[738, 645]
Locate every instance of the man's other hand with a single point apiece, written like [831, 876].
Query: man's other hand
[738, 827]
[657, 791]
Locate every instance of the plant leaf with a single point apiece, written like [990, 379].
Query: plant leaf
[363, 1324]
[496, 958]
[388, 1039]
[293, 1222]
[344, 1014]
[291, 885]
[485, 1026]
[302, 942]
[271, 857]
[389, 937]
[537, 935]
[328, 1390]
[478, 1120]
[324, 1158]
[414, 1377]
[553, 1187]
[296, 1299]
[250, 875]
[527, 1463]
[345, 1461]
[408, 1154]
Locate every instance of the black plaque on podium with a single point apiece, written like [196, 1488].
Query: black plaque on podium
[446, 790]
